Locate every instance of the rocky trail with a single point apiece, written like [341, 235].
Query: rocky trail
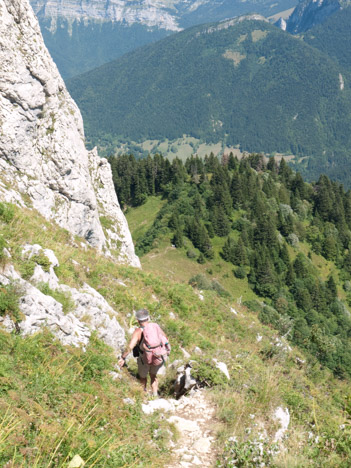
[193, 416]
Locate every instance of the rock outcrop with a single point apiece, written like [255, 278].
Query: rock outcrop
[43, 160]
[308, 14]
[88, 312]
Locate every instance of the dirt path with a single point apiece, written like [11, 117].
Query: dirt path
[193, 416]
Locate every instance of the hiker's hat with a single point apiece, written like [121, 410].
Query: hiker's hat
[142, 314]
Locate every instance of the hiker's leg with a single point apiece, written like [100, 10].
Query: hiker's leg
[143, 370]
[143, 381]
[154, 384]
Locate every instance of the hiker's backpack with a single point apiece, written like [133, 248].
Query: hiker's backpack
[154, 345]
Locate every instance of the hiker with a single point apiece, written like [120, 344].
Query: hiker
[152, 344]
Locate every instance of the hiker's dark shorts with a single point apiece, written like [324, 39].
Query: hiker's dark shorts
[145, 369]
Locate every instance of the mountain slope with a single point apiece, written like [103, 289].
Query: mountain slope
[332, 36]
[244, 82]
[59, 402]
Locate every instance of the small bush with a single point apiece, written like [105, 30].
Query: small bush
[7, 212]
[2, 250]
[63, 297]
[216, 286]
[9, 301]
[191, 253]
[207, 375]
[240, 272]
[26, 268]
[201, 259]
[253, 305]
[269, 316]
[27, 265]
[200, 282]
[42, 260]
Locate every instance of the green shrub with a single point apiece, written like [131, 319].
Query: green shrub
[240, 272]
[27, 265]
[191, 253]
[207, 375]
[200, 282]
[9, 301]
[216, 286]
[42, 260]
[2, 250]
[26, 268]
[201, 259]
[7, 212]
[269, 316]
[63, 297]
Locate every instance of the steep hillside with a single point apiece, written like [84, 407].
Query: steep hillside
[331, 37]
[64, 405]
[241, 82]
[84, 35]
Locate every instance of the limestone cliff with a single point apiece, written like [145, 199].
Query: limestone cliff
[150, 13]
[309, 13]
[43, 160]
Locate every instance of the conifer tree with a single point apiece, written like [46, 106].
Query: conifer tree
[332, 292]
[177, 239]
[228, 250]
[239, 253]
[220, 222]
[236, 191]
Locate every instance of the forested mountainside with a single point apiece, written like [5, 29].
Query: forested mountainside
[84, 35]
[242, 82]
[332, 36]
[275, 230]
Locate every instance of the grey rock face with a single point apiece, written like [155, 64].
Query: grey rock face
[91, 311]
[309, 13]
[150, 13]
[42, 152]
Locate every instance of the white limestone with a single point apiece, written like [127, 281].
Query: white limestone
[150, 13]
[157, 405]
[42, 154]
[222, 366]
[90, 311]
[282, 415]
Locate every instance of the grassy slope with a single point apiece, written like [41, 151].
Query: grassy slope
[60, 402]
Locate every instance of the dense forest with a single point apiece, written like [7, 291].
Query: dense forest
[263, 210]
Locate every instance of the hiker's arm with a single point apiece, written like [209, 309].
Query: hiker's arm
[134, 340]
[166, 343]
